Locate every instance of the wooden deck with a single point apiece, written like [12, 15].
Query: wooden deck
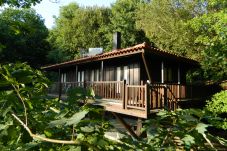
[134, 100]
[117, 107]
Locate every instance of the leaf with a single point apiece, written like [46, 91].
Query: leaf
[58, 122]
[62, 114]
[87, 129]
[162, 113]
[188, 141]
[73, 148]
[201, 128]
[76, 118]
[29, 104]
[8, 109]
[47, 133]
[54, 110]
[31, 145]
[3, 126]
[102, 142]
[222, 141]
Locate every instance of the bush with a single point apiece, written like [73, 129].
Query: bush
[217, 107]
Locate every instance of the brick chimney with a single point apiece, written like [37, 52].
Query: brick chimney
[116, 40]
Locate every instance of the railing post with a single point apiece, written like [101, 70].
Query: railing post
[123, 95]
[85, 84]
[165, 97]
[59, 90]
[147, 99]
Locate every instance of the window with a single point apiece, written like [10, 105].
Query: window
[92, 75]
[80, 77]
[96, 75]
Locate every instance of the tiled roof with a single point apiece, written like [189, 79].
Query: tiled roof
[118, 53]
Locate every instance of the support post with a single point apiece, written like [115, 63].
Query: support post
[146, 67]
[139, 126]
[165, 97]
[101, 76]
[60, 84]
[162, 72]
[85, 84]
[147, 100]
[127, 127]
[123, 95]
[76, 75]
[178, 75]
[178, 82]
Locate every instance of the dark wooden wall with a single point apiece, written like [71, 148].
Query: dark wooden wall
[135, 66]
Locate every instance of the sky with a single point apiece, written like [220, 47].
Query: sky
[47, 8]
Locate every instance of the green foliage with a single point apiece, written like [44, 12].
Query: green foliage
[217, 107]
[182, 129]
[23, 37]
[123, 20]
[74, 33]
[211, 32]
[196, 29]
[164, 21]
[19, 3]
[21, 87]
[22, 94]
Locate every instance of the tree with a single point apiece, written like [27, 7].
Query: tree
[164, 22]
[19, 3]
[196, 29]
[123, 20]
[211, 36]
[74, 33]
[23, 37]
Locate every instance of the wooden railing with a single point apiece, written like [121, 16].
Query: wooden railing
[63, 87]
[165, 95]
[143, 97]
[102, 89]
[108, 89]
[135, 96]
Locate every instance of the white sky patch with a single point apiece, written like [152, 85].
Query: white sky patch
[48, 9]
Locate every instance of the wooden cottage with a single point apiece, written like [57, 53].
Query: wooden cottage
[134, 81]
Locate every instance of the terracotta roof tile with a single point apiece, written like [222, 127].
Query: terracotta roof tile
[120, 52]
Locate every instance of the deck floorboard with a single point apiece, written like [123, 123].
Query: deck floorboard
[116, 106]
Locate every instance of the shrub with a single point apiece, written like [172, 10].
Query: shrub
[217, 107]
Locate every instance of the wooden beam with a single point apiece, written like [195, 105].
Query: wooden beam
[127, 127]
[59, 82]
[146, 67]
[101, 76]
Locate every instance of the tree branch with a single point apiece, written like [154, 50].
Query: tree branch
[22, 100]
[44, 138]
[69, 142]
[208, 141]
